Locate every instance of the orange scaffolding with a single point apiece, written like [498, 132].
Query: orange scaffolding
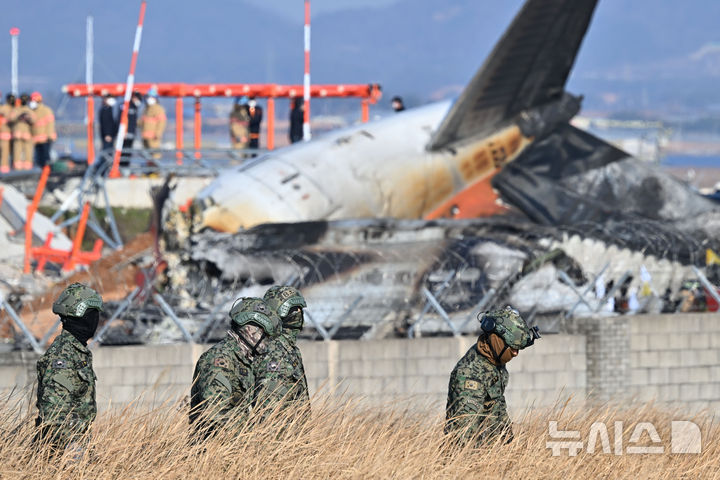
[46, 253]
[369, 94]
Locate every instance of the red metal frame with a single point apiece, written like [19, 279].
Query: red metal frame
[45, 253]
[32, 208]
[368, 93]
[90, 127]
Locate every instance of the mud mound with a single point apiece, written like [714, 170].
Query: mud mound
[113, 276]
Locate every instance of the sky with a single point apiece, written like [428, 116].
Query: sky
[639, 54]
[290, 8]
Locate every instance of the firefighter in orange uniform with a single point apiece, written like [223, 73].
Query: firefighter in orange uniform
[43, 129]
[22, 118]
[152, 123]
[6, 111]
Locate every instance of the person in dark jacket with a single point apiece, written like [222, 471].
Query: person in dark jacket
[135, 104]
[255, 112]
[65, 377]
[108, 123]
[297, 116]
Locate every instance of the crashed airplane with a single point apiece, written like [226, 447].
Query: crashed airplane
[379, 224]
[430, 162]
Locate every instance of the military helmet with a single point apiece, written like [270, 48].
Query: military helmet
[283, 298]
[75, 300]
[254, 310]
[510, 326]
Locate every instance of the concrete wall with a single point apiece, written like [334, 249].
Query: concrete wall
[135, 192]
[676, 359]
[150, 375]
[17, 370]
[673, 359]
[379, 371]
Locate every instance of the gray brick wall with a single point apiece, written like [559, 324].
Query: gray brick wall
[676, 360]
[378, 371]
[607, 341]
[669, 359]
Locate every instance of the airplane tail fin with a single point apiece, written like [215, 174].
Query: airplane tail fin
[527, 68]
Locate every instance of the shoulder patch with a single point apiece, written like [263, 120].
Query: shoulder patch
[273, 366]
[471, 385]
[221, 362]
[223, 381]
[59, 363]
[63, 380]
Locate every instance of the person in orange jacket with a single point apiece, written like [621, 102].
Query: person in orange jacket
[6, 111]
[152, 123]
[43, 129]
[22, 119]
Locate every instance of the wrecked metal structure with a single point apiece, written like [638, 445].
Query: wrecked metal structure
[367, 221]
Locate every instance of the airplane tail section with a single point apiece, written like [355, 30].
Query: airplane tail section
[527, 68]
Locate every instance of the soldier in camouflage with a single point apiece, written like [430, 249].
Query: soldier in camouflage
[223, 389]
[280, 375]
[66, 380]
[476, 410]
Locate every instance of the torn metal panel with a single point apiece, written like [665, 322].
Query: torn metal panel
[13, 208]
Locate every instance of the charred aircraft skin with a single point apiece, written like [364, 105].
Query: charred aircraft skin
[371, 171]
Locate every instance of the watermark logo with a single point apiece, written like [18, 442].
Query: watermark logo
[685, 438]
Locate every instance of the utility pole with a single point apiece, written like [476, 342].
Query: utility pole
[89, 58]
[14, 34]
[306, 78]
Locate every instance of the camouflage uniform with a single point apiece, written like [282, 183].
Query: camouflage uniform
[223, 377]
[476, 402]
[280, 375]
[66, 380]
[66, 389]
[475, 397]
[223, 390]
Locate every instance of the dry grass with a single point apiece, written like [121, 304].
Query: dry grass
[348, 439]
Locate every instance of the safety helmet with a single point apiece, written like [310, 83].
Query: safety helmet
[510, 326]
[36, 97]
[255, 311]
[75, 300]
[283, 298]
[153, 92]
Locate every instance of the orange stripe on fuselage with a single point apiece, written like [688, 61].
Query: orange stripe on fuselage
[477, 200]
[475, 166]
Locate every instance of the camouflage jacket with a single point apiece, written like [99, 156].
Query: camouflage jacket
[280, 375]
[66, 390]
[476, 402]
[223, 386]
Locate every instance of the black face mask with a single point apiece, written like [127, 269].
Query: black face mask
[294, 320]
[82, 328]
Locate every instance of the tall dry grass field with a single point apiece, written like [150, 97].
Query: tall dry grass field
[346, 438]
